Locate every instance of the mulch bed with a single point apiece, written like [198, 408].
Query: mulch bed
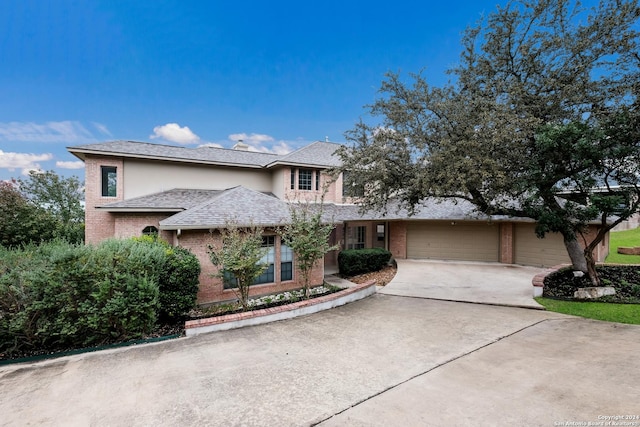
[625, 279]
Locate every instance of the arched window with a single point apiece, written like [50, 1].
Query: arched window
[150, 230]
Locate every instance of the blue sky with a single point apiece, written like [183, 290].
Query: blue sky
[276, 74]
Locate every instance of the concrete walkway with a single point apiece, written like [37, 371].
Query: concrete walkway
[478, 282]
[382, 361]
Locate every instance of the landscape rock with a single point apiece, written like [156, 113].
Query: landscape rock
[594, 292]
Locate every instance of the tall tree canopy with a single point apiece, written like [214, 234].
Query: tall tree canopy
[62, 198]
[543, 103]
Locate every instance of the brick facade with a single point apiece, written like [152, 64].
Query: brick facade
[398, 239]
[506, 243]
[211, 287]
[100, 225]
[132, 224]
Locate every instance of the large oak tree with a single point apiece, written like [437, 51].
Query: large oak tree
[540, 119]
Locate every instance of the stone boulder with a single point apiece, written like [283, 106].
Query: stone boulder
[594, 292]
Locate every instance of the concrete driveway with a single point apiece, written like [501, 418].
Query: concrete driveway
[479, 282]
[383, 361]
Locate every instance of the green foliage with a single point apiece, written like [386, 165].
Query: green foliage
[179, 283]
[308, 236]
[238, 257]
[22, 221]
[523, 121]
[59, 197]
[358, 261]
[621, 313]
[59, 295]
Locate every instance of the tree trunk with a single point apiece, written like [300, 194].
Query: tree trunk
[576, 254]
[591, 266]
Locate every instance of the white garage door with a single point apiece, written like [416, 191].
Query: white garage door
[529, 250]
[462, 241]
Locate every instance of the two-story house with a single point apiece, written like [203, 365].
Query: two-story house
[187, 195]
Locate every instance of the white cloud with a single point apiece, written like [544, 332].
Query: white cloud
[65, 131]
[282, 148]
[24, 161]
[254, 139]
[79, 164]
[101, 128]
[174, 133]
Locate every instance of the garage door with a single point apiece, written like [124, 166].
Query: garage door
[462, 241]
[529, 250]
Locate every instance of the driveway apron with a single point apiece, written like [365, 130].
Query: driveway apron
[477, 282]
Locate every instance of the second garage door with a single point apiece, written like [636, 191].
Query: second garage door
[462, 241]
[530, 250]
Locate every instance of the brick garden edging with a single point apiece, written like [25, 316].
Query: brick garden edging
[538, 279]
[289, 311]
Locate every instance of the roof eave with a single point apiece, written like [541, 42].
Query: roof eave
[140, 210]
[78, 152]
[174, 227]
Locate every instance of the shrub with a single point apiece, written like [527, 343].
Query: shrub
[60, 295]
[358, 261]
[179, 283]
[178, 279]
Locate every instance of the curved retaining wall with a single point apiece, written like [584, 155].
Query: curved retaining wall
[289, 311]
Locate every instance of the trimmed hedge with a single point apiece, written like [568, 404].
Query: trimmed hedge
[359, 261]
[57, 295]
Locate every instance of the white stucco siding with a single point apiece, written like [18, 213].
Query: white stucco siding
[279, 183]
[148, 177]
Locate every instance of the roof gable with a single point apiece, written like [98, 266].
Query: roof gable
[319, 154]
[238, 205]
[174, 200]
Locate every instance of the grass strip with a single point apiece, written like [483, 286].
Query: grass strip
[621, 313]
[627, 238]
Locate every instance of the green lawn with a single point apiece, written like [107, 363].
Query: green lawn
[623, 238]
[621, 313]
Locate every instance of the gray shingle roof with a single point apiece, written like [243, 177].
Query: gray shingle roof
[239, 205]
[207, 155]
[173, 200]
[316, 154]
[430, 209]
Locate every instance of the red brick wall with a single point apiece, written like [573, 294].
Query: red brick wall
[506, 243]
[100, 225]
[132, 224]
[211, 288]
[398, 239]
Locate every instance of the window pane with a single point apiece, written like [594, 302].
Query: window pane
[268, 276]
[293, 179]
[286, 263]
[229, 280]
[304, 179]
[286, 253]
[150, 230]
[286, 271]
[317, 180]
[356, 237]
[109, 181]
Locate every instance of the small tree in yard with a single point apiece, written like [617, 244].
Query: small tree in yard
[308, 236]
[238, 257]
